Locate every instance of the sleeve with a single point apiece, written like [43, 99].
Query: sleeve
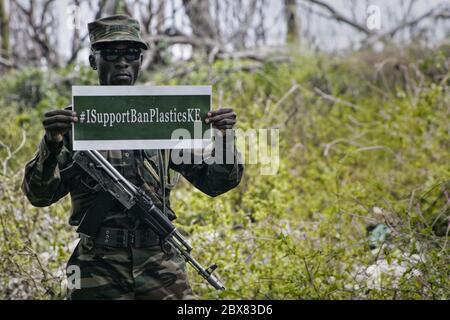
[42, 183]
[214, 174]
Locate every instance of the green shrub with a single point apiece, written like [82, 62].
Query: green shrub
[360, 145]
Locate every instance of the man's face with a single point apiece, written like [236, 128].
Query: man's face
[120, 71]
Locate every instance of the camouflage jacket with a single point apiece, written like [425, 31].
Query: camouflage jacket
[43, 185]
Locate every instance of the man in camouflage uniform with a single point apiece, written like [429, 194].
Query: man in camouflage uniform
[133, 264]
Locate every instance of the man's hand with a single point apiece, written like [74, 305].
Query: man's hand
[57, 123]
[222, 119]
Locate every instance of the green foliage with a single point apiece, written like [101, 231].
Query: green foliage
[362, 141]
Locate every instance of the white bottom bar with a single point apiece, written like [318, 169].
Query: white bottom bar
[140, 144]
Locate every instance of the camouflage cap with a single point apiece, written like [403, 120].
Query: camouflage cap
[115, 28]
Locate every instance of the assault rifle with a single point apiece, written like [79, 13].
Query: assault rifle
[132, 197]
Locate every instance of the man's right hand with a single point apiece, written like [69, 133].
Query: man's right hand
[57, 123]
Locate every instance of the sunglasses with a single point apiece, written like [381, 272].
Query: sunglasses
[113, 55]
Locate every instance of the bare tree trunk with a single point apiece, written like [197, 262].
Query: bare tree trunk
[245, 25]
[107, 8]
[293, 22]
[160, 17]
[111, 7]
[201, 21]
[4, 29]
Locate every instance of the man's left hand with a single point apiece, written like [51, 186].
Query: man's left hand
[222, 119]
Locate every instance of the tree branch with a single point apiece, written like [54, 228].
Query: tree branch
[340, 17]
[433, 13]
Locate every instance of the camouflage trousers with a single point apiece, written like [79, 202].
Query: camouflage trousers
[128, 273]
